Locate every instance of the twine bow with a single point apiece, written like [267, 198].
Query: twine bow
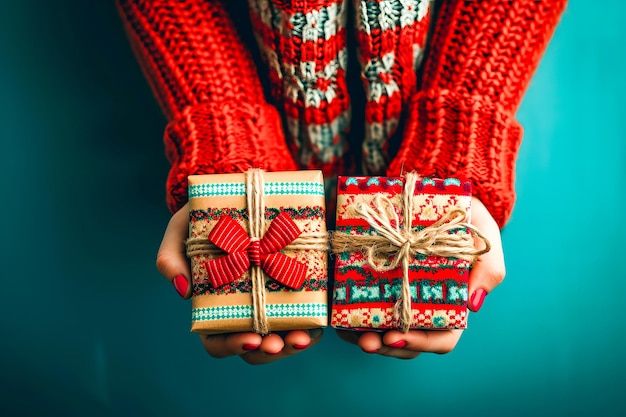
[244, 252]
[395, 246]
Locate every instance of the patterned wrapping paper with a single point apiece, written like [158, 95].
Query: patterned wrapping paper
[363, 298]
[228, 308]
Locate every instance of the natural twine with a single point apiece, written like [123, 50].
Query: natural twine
[254, 194]
[256, 217]
[402, 244]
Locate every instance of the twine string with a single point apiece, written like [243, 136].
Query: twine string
[394, 245]
[256, 206]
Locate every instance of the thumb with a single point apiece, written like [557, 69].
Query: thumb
[171, 260]
[489, 270]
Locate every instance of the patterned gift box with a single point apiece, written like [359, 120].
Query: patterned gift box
[366, 294]
[251, 284]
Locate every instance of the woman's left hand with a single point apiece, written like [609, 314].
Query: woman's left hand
[487, 273]
[255, 349]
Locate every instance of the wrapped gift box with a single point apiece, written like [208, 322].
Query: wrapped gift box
[364, 297]
[223, 303]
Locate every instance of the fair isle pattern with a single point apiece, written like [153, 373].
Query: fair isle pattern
[365, 298]
[391, 36]
[270, 188]
[447, 291]
[298, 310]
[304, 45]
[299, 213]
[379, 318]
[203, 286]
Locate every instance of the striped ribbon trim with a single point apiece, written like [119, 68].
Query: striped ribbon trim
[272, 311]
[270, 188]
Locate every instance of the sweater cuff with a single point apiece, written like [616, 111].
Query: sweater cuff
[451, 134]
[222, 139]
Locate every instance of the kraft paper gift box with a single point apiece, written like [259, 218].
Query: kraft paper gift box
[258, 250]
[369, 292]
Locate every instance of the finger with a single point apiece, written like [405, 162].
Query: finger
[370, 342]
[410, 344]
[270, 350]
[400, 345]
[272, 344]
[171, 260]
[274, 347]
[299, 340]
[489, 270]
[224, 345]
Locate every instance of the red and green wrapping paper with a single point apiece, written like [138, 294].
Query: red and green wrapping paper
[294, 276]
[364, 298]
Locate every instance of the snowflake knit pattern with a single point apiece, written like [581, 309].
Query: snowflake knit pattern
[457, 117]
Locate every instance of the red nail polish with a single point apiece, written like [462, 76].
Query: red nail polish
[400, 344]
[370, 351]
[250, 346]
[275, 353]
[181, 285]
[299, 346]
[476, 300]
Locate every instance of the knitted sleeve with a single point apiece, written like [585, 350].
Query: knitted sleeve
[461, 121]
[208, 87]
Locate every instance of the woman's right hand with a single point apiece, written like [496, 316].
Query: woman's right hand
[253, 348]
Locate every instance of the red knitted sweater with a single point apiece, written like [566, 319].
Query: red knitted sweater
[456, 119]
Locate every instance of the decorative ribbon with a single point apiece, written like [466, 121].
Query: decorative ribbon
[243, 252]
[251, 252]
[394, 245]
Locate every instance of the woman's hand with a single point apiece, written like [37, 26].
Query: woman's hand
[173, 264]
[487, 273]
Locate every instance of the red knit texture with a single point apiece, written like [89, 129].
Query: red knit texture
[209, 89]
[304, 45]
[461, 122]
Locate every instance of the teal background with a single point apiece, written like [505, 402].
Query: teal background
[88, 327]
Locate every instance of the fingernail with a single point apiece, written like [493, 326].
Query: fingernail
[400, 344]
[299, 346]
[250, 346]
[181, 285]
[274, 353]
[476, 300]
[370, 351]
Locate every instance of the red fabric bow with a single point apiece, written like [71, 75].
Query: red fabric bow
[242, 252]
